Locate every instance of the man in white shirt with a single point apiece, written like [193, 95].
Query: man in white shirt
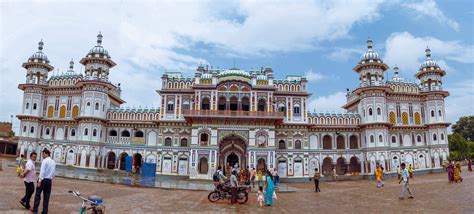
[29, 178]
[233, 187]
[48, 169]
[404, 180]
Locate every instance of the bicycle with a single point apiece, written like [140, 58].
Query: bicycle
[92, 202]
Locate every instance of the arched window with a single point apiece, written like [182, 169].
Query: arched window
[380, 138]
[297, 144]
[370, 111]
[379, 111]
[94, 132]
[125, 133]
[327, 142]
[372, 140]
[392, 117]
[138, 134]
[88, 104]
[47, 131]
[296, 110]
[418, 138]
[96, 106]
[204, 138]
[394, 139]
[62, 112]
[75, 111]
[32, 129]
[261, 105]
[340, 144]
[353, 142]
[435, 138]
[113, 133]
[439, 113]
[86, 132]
[50, 111]
[168, 141]
[24, 128]
[432, 113]
[281, 144]
[73, 132]
[27, 105]
[184, 142]
[442, 136]
[205, 104]
[35, 106]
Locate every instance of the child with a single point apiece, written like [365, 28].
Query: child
[260, 196]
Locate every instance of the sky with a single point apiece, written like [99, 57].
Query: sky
[322, 40]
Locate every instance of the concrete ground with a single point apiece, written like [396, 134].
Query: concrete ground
[432, 194]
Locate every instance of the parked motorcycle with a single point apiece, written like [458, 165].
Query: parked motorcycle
[224, 192]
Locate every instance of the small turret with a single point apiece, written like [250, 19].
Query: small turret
[430, 74]
[38, 66]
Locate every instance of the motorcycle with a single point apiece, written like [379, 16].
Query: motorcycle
[94, 202]
[224, 192]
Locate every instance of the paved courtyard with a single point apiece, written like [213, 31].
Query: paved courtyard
[432, 194]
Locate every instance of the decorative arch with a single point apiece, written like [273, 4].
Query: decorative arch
[327, 142]
[62, 112]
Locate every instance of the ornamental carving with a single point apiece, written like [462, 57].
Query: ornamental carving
[224, 133]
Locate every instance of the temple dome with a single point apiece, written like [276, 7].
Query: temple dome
[39, 56]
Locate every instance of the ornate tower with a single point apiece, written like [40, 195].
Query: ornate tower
[37, 68]
[430, 74]
[97, 62]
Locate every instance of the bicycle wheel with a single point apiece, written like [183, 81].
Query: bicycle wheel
[213, 196]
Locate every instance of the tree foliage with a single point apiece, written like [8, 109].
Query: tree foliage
[461, 142]
[465, 127]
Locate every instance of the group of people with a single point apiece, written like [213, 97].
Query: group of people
[238, 177]
[43, 183]
[454, 171]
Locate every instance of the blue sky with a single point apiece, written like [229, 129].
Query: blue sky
[320, 39]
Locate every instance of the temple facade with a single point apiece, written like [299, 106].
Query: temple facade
[227, 117]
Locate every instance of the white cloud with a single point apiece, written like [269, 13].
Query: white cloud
[344, 54]
[430, 9]
[408, 51]
[460, 101]
[146, 38]
[313, 76]
[330, 103]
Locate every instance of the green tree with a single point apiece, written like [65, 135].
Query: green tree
[465, 127]
[458, 147]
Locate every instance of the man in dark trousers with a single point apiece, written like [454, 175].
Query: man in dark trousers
[29, 178]
[316, 178]
[47, 171]
[233, 187]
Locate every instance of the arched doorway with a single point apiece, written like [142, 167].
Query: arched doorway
[245, 104]
[137, 160]
[232, 151]
[203, 166]
[234, 103]
[123, 165]
[221, 104]
[354, 165]
[327, 166]
[232, 159]
[261, 165]
[111, 160]
[341, 166]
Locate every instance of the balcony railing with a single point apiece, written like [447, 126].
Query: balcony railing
[234, 114]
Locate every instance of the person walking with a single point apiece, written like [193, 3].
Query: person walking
[44, 184]
[404, 180]
[253, 177]
[277, 178]
[234, 184]
[316, 177]
[450, 170]
[469, 165]
[457, 173]
[29, 178]
[269, 189]
[410, 170]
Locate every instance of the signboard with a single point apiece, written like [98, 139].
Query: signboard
[138, 140]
